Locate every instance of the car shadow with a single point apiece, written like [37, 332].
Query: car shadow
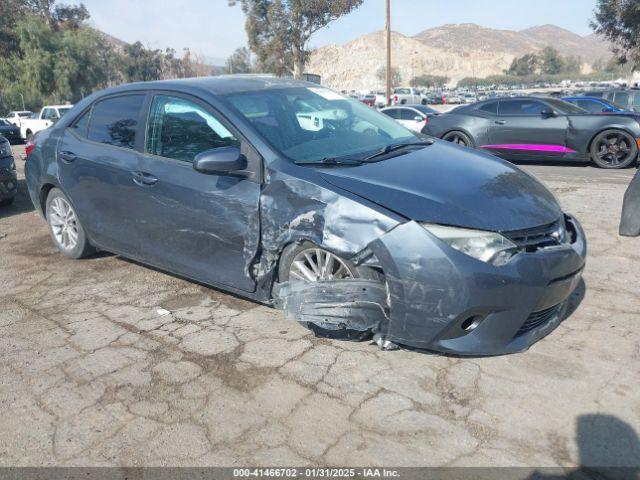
[21, 203]
[608, 448]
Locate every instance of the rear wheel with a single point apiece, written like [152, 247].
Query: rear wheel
[307, 262]
[459, 138]
[65, 228]
[614, 149]
[6, 202]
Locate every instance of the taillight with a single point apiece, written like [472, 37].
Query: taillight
[31, 144]
[395, 98]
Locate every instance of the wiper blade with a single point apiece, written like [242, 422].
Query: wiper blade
[329, 161]
[399, 146]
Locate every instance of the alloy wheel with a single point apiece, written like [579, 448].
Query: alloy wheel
[315, 264]
[64, 223]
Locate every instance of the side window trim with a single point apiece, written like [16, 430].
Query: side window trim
[141, 119]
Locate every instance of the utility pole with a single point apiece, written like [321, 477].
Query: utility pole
[388, 53]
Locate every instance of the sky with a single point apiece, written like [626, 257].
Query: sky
[214, 30]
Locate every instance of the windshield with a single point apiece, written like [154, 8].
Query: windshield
[3, 122]
[311, 124]
[565, 107]
[25, 114]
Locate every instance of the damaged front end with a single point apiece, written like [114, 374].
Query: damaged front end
[433, 297]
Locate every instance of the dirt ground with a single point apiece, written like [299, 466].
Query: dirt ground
[91, 373]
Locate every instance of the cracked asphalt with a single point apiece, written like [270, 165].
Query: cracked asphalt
[93, 371]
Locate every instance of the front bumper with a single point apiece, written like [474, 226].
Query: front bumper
[8, 179]
[434, 292]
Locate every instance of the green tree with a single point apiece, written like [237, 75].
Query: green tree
[619, 22]
[551, 63]
[240, 61]
[525, 65]
[429, 81]
[279, 30]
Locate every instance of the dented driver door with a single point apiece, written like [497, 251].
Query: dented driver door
[205, 226]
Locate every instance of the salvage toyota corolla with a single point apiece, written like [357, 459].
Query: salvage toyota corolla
[292, 195]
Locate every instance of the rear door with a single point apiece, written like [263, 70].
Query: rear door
[201, 225]
[96, 157]
[521, 130]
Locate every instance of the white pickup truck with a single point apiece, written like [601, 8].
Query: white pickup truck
[407, 96]
[47, 117]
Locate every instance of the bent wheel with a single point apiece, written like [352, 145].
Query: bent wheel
[459, 138]
[614, 149]
[65, 228]
[306, 262]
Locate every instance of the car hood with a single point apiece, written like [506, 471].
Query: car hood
[451, 185]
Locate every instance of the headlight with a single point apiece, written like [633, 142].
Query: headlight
[485, 246]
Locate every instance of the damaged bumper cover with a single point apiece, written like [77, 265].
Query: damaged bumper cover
[439, 299]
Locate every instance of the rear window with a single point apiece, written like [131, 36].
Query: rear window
[115, 120]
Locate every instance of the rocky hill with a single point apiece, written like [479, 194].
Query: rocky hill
[456, 51]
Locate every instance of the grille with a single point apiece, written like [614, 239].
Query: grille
[536, 319]
[533, 239]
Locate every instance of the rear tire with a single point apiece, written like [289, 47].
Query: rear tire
[7, 201]
[65, 227]
[292, 253]
[614, 149]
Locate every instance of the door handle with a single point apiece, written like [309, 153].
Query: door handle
[500, 122]
[66, 156]
[144, 179]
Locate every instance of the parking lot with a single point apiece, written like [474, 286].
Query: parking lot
[107, 362]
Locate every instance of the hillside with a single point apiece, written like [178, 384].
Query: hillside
[456, 51]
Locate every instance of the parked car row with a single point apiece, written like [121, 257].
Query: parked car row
[29, 123]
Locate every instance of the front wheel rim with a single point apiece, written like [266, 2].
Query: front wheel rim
[614, 149]
[64, 224]
[315, 264]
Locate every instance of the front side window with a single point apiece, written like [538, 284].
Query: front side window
[490, 108]
[181, 129]
[591, 106]
[115, 120]
[311, 124]
[521, 107]
[406, 114]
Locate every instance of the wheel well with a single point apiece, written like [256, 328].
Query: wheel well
[44, 193]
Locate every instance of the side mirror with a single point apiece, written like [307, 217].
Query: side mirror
[548, 113]
[220, 161]
[418, 119]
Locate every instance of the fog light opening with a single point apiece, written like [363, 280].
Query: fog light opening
[471, 323]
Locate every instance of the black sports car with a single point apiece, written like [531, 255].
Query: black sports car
[533, 128]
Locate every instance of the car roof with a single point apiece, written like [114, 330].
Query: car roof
[601, 100]
[218, 85]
